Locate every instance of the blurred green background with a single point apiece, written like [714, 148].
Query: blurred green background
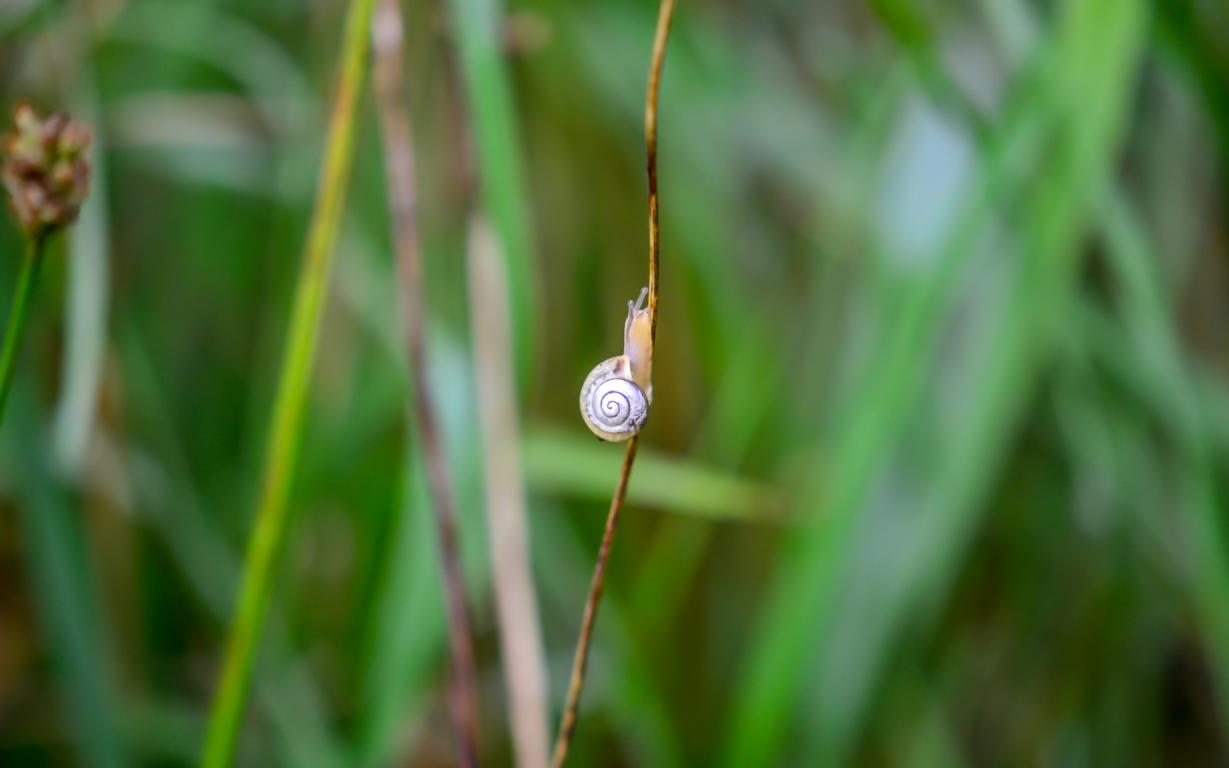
[936, 473]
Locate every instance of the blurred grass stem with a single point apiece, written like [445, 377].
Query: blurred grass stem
[27, 281]
[395, 126]
[567, 724]
[287, 427]
[495, 137]
[520, 635]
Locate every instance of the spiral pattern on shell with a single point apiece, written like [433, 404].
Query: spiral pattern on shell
[613, 407]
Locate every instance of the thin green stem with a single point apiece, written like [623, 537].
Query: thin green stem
[18, 313]
[286, 430]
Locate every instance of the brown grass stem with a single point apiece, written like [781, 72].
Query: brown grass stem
[660, 38]
[395, 125]
[567, 724]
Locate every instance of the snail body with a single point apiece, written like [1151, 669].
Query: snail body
[615, 398]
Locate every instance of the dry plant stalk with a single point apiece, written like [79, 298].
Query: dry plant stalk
[520, 635]
[387, 36]
[567, 724]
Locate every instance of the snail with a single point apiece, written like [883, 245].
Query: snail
[615, 398]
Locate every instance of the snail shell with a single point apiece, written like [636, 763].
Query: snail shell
[613, 406]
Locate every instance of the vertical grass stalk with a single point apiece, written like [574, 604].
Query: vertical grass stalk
[496, 145]
[395, 125]
[286, 429]
[567, 724]
[27, 281]
[516, 604]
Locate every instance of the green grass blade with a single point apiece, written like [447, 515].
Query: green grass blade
[566, 463]
[19, 313]
[804, 584]
[406, 635]
[287, 424]
[1176, 397]
[208, 561]
[404, 641]
[58, 562]
[801, 612]
[497, 156]
[1097, 56]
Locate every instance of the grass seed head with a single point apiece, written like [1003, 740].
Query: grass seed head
[45, 172]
